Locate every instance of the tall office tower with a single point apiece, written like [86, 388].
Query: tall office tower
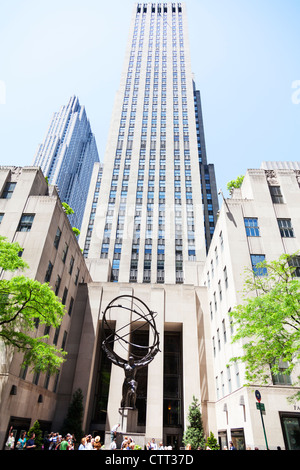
[208, 178]
[67, 156]
[149, 223]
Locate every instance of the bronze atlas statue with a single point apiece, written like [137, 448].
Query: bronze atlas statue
[135, 356]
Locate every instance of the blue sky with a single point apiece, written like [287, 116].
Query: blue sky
[245, 58]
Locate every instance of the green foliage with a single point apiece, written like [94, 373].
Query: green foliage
[268, 321]
[212, 442]
[68, 210]
[237, 183]
[194, 434]
[24, 303]
[38, 439]
[76, 231]
[73, 421]
[9, 256]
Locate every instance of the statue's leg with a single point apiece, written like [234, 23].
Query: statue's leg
[124, 395]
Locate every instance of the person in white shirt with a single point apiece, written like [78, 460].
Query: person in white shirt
[153, 445]
[113, 432]
[113, 445]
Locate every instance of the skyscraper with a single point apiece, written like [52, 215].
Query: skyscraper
[144, 234]
[67, 156]
[156, 181]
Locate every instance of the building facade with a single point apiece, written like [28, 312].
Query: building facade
[67, 156]
[149, 221]
[32, 215]
[259, 222]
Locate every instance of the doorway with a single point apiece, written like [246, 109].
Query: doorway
[18, 426]
[172, 440]
[290, 423]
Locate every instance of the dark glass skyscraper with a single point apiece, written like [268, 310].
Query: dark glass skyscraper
[67, 156]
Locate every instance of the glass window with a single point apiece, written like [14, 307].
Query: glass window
[65, 251]
[8, 190]
[283, 377]
[48, 272]
[285, 227]
[65, 295]
[25, 223]
[57, 238]
[276, 195]
[71, 265]
[57, 285]
[71, 306]
[294, 262]
[255, 260]
[251, 225]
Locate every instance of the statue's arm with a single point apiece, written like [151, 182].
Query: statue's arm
[113, 357]
[145, 362]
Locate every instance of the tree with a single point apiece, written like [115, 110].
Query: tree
[24, 303]
[73, 421]
[194, 434]
[38, 439]
[237, 183]
[212, 442]
[9, 256]
[268, 323]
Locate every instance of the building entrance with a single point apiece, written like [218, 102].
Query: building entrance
[290, 424]
[17, 426]
[172, 440]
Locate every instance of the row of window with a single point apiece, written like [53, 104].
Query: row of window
[284, 225]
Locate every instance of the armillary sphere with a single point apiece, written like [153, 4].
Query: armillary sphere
[142, 317]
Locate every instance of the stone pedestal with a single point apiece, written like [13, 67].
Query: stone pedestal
[128, 420]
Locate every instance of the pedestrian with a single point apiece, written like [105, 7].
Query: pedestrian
[53, 440]
[89, 444]
[30, 443]
[231, 446]
[46, 442]
[153, 445]
[10, 443]
[97, 443]
[71, 440]
[113, 444]
[83, 444]
[113, 432]
[58, 441]
[64, 444]
[21, 441]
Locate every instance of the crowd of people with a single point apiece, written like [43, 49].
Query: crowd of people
[129, 444]
[53, 441]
